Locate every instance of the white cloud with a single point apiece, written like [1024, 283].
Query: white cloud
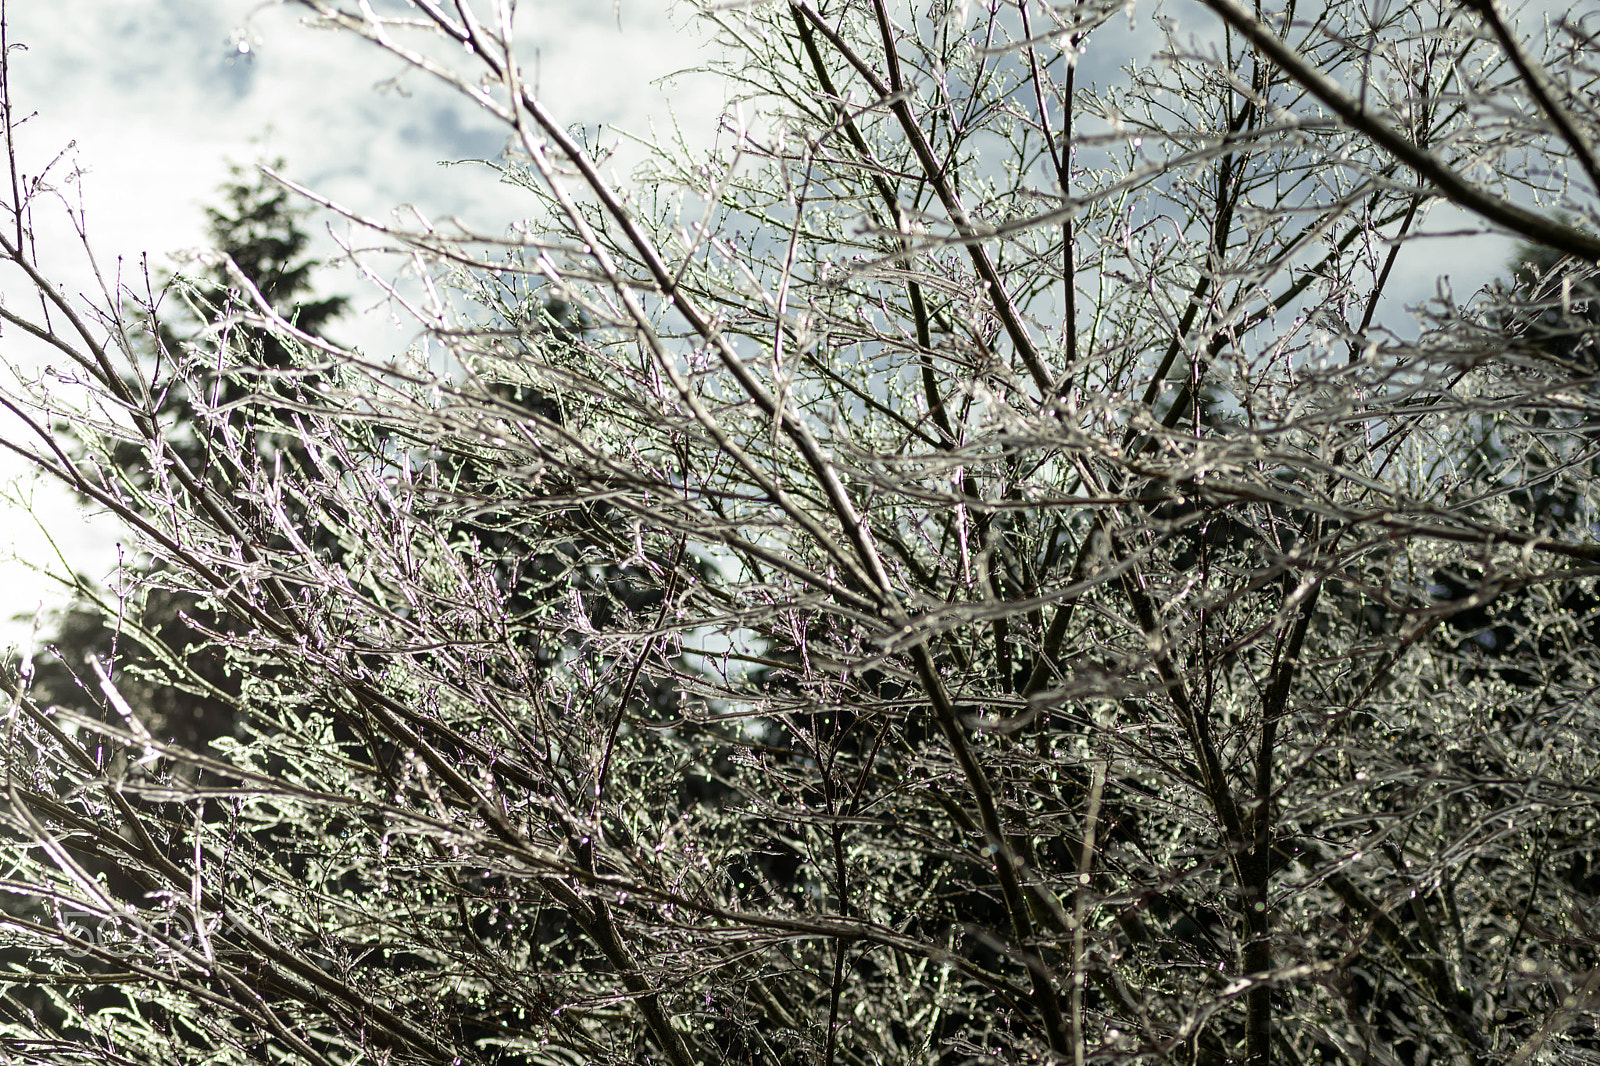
[158, 99]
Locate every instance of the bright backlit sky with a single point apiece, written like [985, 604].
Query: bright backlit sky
[158, 97]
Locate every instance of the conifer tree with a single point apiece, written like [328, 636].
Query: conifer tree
[159, 642]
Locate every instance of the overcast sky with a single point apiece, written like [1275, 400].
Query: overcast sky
[158, 97]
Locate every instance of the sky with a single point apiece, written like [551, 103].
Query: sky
[155, 99]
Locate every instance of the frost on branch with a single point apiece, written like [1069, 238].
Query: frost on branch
[992, 561]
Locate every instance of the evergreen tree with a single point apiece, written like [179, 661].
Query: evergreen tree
[160, 642]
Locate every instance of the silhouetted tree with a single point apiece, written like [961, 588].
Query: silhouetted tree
[162, 641]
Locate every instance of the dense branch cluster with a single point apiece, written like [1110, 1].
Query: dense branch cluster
[978, 567]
